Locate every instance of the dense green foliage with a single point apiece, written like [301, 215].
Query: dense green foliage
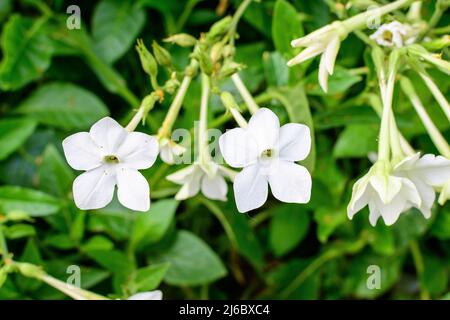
[55, 81]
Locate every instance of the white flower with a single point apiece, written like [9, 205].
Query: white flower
[111, 156]
[207, 177]
[150, 295]
[385, 194]
[268, 154]
[169, 150]
[427, 173]
[445, 193]
[391, 34]
[325, 41]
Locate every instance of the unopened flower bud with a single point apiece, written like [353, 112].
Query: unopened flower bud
[216, 51]
[230, 67]
[171, 85]
[228, 51]
[182, 39]
[218, 29]
[148, 62]
[162, 55]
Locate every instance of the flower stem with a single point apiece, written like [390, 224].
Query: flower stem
[236, 17]
[420, 267]
[440, 7]
[248, 99]
[436, 93]
[174, 108]
[435, 135]
[3, 245]
[204, 154]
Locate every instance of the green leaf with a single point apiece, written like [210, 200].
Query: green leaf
[441, 226]
[55, 176]
[383, 241]
[27, 52]
[286, 26]
[192, 262]
[17, 231]
[65, 106]
[13, 133]
[276, 69]
[328, 219]
[435, 275]
[60, 241]
[341, 80]
[34, 203]
[113, 260]
[357, 140]
[30, 254]
[150, 227]
[98, 243]
[115, 26]
[288, 227]
[149, 278]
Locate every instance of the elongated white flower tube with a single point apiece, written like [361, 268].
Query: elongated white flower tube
[267, 154]
[111, 156]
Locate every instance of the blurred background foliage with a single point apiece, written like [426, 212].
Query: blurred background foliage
[55, 81]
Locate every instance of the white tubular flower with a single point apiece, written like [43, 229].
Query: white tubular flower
[427, 173]
[325, 41]
[198, 176]
[111, 156]
[267, 154]
[150, 295]
[392, 34]
[169, 150]
[385, 194]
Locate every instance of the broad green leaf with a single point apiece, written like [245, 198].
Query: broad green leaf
[277, 72]
[192, 262]
[60, 241]
[17, 231]
[340, 117]
[34, 203]
[286, 26]
[65, 106]
[441, 226]
[435, 275]
[27, 52]
[149, 227]
[357, 140]
[55, 176]
[115, 26]
[383, 241]
[288, 227]
[13, 133]
[113, 260]
[341, 80]
[30, 254]
[98, 243]
[328, 219]
[149, 278]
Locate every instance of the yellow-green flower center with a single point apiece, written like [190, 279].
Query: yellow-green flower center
[111, 159]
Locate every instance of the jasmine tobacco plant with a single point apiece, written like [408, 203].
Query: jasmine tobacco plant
[163, 146]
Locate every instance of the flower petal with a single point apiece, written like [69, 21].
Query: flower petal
[138, 150]
[386, 186]
[427, 195]
[133, 191]
[108, 135]
[295, 142]
[94, 189]
[291, 183]
[81, 151]
[361, 195]
[323, 74]
[250, 189]
[306, 54]
[183, 175]
[214, 188]
[434, 170]
[238, 148]
[331, 53]
[166, 154]
[264, 127]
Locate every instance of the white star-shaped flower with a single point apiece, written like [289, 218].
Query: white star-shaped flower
[205, 177]
[111, 156]
[267, 154]
[427, 173]
[391, 34]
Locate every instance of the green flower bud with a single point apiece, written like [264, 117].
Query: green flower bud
[228, 51]
[162, 55]
[148, 62]
[230, 67]
[218, 29]
[437, 44]
[30, 270]
[217, 51]
[182, 39]
[171, 85]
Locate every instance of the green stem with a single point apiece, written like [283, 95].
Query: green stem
[217, 212]
[440, 7]
[3, 245]
[237, 16]
[330, 254]
[246, 96]
[435, 135]
[185, 14]
[420, 267]
[203, 153]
